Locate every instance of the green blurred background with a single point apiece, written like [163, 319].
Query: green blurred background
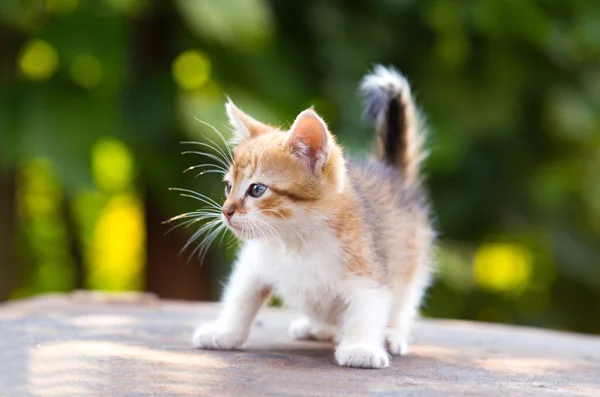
[96, 96]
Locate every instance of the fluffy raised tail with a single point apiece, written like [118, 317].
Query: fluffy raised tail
[400, 130]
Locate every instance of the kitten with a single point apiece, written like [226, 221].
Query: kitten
[347, 243]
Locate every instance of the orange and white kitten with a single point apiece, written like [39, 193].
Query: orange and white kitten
[346, 243]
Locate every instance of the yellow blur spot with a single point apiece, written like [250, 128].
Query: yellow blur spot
[38, 60]
[117, 252]
[112, 165]
[191, 69]
[61, 7]
[502, 267]
[86, 71]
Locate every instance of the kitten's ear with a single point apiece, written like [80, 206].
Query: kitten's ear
[245, 127]
[308, 139]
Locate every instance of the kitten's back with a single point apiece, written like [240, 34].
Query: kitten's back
[395, 207]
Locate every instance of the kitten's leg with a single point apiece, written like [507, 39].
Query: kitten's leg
[404, 312]
[363, 332]
[401, 319]
[306, 328]
[396, 342]
[244, 295]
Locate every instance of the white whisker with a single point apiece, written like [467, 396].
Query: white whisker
[203, 247]
[322, 216]
[217, 150]
[216, 167]
[209, 155]
[276, 212]
[190, 215]
[198, 196]
[271, 230]
[220, 135]
[210, 172]
[189, 223]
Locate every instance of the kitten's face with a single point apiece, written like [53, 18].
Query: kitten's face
[277, 177]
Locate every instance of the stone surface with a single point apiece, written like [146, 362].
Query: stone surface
[135, 345]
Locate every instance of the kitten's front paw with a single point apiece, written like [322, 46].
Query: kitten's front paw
[212, 335]
[362, 356]
[304, 328]
[396, 343]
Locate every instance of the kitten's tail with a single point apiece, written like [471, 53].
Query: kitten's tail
[400, 130]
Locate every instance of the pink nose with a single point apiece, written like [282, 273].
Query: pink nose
[228, 212]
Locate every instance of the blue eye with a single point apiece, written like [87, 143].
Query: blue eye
[256, 190]
[227, 189]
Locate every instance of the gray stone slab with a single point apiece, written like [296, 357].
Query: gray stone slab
[135, 345]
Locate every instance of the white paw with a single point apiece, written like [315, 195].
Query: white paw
[212, 335]
[362, 356]
[304, 328]
[300, 328]
[396, 343]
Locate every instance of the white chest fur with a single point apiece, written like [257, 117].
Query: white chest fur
[309, 278]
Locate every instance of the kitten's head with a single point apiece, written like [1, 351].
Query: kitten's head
[279, 181]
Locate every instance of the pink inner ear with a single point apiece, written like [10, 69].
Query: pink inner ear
[308, 138]
[310, 132]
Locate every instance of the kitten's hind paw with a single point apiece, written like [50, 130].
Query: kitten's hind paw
[213, 336]
[362, 356]
[396, 343]
[304, 328]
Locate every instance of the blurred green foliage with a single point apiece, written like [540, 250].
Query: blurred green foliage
[96, 95]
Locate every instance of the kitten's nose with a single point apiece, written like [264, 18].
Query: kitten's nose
[228, 212]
